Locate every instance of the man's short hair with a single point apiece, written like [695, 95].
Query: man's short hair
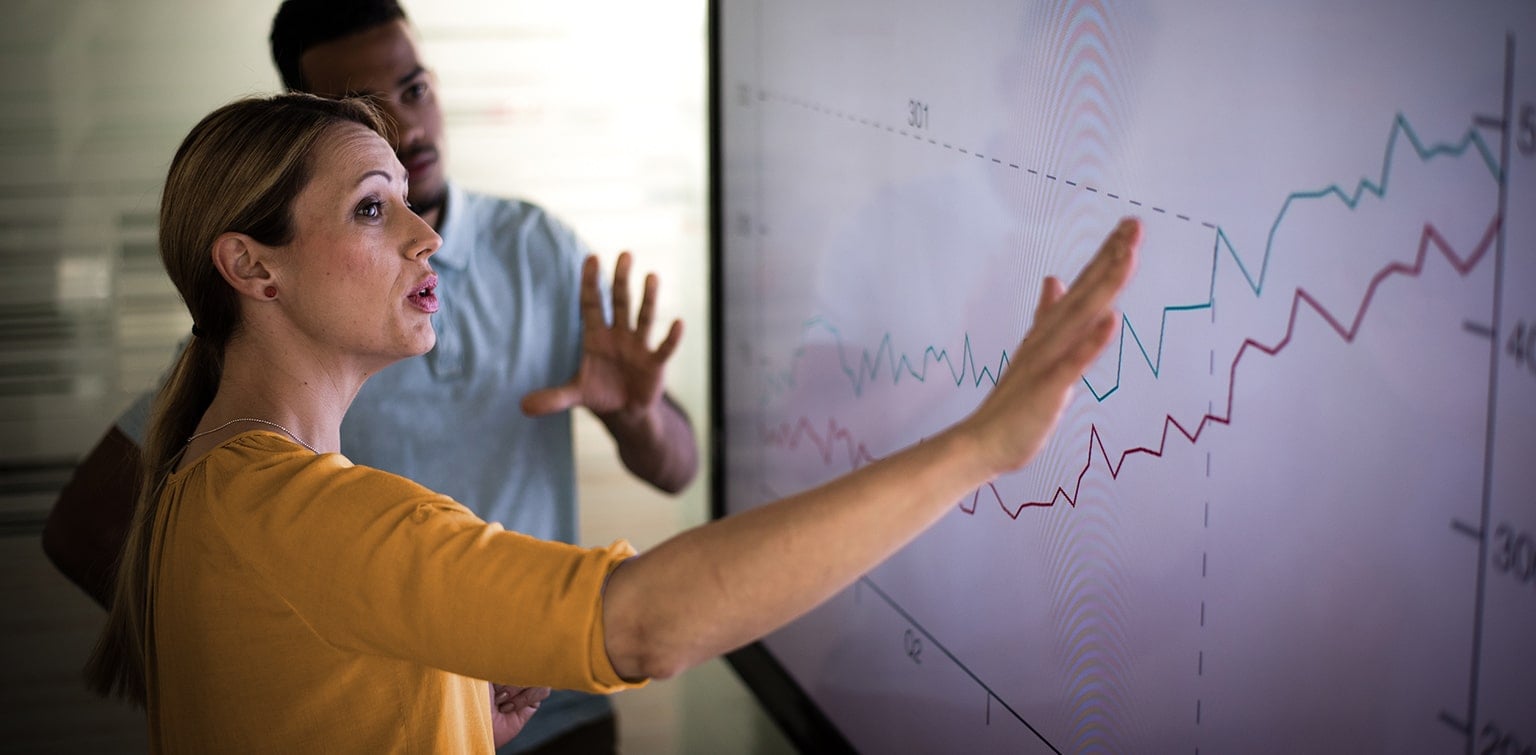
[302, 24]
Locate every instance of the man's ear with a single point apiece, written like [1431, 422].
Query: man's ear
[243, 262]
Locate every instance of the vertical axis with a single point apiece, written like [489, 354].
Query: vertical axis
[1493, 387]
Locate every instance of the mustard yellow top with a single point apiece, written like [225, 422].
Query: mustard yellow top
[300, 603]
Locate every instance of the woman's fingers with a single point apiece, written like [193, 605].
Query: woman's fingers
[1065, 319]
[1050, 292]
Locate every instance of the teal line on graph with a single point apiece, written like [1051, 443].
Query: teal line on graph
[871, 362]
[899, 366]
[1378, 188]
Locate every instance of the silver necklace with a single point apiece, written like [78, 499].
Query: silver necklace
[290, 433]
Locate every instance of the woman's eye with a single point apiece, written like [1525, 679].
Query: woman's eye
[370, 209]
[415, 92]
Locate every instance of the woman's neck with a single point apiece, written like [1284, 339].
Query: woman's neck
[298, 393]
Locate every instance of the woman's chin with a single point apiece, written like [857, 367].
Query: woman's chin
[425, 343]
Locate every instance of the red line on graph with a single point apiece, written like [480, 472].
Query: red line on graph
[1462, 265]
[789, 436]
[858, 455]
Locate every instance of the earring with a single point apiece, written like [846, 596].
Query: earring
[271, 292]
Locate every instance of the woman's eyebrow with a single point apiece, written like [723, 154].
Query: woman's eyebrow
[376, 172]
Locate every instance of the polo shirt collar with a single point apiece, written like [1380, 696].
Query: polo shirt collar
[458, 232]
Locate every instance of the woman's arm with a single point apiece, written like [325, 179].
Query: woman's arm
[719, 586]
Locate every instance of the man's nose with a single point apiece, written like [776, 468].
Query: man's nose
[405, 130]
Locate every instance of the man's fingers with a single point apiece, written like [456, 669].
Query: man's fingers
[591, 292]
[647, 308]
[509, 702]
[531, 696]
[621, 290]
[669, 344]
[551, 400]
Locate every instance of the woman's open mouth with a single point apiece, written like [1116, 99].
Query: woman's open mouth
[424, 297]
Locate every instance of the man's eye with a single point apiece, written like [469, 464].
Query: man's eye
[370, 209]
[415, 92]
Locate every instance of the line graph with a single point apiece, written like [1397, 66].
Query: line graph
[885, 357]
[791, 435]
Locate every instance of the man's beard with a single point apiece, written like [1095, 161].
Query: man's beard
[425, 205]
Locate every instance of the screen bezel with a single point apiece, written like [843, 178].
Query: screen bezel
[786, 702]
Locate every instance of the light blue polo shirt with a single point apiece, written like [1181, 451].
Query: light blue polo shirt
[508, 322]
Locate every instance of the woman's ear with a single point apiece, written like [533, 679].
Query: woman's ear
[243, 262]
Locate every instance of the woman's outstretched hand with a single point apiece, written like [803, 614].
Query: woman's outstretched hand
[1071, 327]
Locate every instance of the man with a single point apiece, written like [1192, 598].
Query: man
[509, 328]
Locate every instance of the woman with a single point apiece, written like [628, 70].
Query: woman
[273, 596]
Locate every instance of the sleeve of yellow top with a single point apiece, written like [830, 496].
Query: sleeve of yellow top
[597, 649]
[377, 564]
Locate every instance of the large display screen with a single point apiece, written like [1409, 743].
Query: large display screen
[1292, 508]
